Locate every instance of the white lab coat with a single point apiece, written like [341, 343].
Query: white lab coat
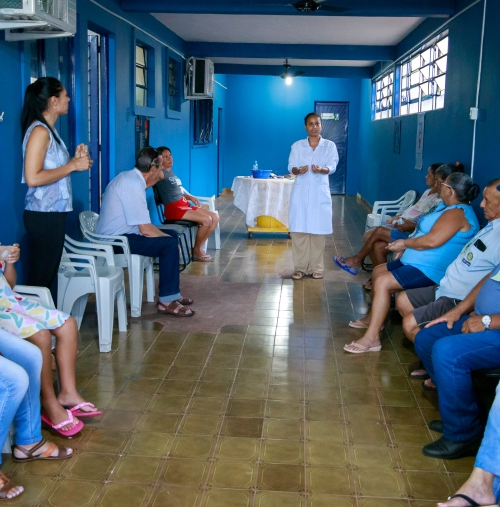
[311, 202]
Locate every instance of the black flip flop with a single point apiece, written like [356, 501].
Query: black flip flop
[472, 502]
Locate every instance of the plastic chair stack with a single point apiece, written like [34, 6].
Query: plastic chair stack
[383, 209]
[85, 269]
[136, 264]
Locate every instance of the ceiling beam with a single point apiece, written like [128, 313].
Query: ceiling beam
[275, 70]
[283, 7]
[297, 51]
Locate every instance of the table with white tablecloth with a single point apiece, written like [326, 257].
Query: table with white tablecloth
[260, 198]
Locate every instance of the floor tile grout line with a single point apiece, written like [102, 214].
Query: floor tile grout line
[345, 418]
[228, 398]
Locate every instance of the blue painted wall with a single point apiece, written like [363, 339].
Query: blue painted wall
[175, 133]
[448, 131]
[265, 117]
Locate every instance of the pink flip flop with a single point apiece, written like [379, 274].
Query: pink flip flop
[65, 433]
[82, 413]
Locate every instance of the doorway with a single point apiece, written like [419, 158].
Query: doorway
[98, 114]
[335, 120]
[219, 141]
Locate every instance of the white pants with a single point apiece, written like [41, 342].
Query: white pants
[307, 252]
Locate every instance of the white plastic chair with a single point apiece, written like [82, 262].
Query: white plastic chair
[136, 264]
[88, 268]
[383, 209]
[41, 294]
[210, 202]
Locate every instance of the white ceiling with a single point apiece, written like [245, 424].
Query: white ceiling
[313, 29]
[294, 62]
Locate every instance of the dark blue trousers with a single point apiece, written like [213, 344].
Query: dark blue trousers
[450, 357]
[166, 248]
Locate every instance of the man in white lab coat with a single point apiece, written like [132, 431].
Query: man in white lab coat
[310, 214]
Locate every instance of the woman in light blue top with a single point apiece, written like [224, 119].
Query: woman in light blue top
[47, 169]
[437, 241]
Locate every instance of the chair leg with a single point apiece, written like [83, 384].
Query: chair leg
[217, 237]
[150, 283]
[136, 279]
[78, 309]
[183, 247]
[105, 316]
[122, 310]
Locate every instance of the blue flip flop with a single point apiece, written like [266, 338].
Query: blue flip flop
[340, 262]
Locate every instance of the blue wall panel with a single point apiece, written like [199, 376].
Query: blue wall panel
[12, 192]
[448, 131]
[265, 117]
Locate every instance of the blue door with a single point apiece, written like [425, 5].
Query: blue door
[335, 120]
[98, 109]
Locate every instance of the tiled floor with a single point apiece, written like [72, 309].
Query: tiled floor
[252, 402]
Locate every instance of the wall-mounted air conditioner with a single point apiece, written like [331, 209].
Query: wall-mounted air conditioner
[37, 19]
[199, 78]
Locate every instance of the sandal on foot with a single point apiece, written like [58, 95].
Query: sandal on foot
[429, 387]
[419, 374]
[358, 324]
[357, 348]
[317, 275]
[185, 301]
[8, 485]
[77, 426]
[176, 311]
[204, 258]
[368, 284]
[298, 275]
[62, 452]
[84, 413]
[340, 262]
[472, 503]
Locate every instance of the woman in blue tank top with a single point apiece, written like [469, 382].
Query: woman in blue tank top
[426, 254]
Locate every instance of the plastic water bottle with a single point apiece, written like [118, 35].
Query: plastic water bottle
[255, 166]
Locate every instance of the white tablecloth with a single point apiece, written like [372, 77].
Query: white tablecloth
[256, 197]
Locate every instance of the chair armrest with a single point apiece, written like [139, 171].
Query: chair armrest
[380, 204]
[94, 249]
[42, 293]
[107, 239]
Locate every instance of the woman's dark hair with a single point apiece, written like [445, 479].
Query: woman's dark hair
[306, 119]
[146, 158]
[433, 167]
[465, 189]
[459, 167]
[161, 149]
[36, 101]
[445, 170]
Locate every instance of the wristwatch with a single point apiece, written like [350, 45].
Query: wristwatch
[486, 321]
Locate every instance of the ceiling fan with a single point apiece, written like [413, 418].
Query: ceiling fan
[288, 74]
[312, 6]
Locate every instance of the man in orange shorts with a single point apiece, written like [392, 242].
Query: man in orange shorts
[177, 206]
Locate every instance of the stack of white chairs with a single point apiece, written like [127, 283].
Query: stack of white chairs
[382, 210]
[85, 269]
[136, 264]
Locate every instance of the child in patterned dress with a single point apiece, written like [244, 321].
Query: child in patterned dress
[28, 319]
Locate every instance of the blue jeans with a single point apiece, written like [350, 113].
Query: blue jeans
[20, 367]
[450, 357]
[488, 457]
[167, 250]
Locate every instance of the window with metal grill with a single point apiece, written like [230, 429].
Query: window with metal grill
[383, 92]
[423, 77]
